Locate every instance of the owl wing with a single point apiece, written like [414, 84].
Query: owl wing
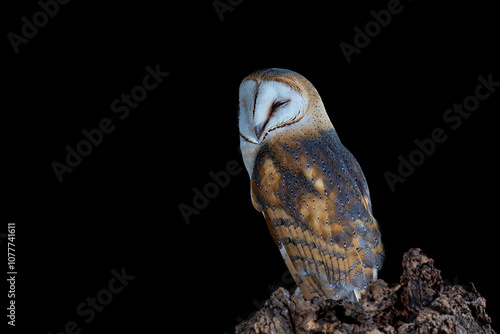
[314, 197]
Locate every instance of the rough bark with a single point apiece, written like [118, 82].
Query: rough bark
[419, 303]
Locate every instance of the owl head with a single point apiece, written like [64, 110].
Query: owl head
[277, 102]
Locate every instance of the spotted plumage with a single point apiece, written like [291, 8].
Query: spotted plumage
[309, 187]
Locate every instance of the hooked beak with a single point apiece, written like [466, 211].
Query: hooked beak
[258, 130]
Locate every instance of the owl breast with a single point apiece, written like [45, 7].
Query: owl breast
[317, 206]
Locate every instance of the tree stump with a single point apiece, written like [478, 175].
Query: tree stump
[419, 303]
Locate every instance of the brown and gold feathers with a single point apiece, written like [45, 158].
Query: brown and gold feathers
[309, 187]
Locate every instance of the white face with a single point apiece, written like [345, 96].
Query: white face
[267, 106]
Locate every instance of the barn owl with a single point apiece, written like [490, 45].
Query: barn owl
[309, 187]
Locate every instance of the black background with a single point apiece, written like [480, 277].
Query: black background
[120, 207]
